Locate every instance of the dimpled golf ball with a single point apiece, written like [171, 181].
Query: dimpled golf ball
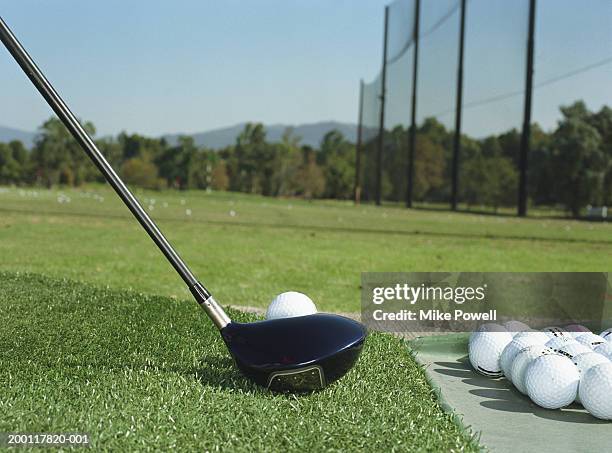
[485, 351]
[515, 327]
[572, 349]
[607, 334]
[590, 339]
[552, 381]
[575, 330]
[584, 362]
[289, 305]
[522, 360]
[535, 335]
[553, 332]
[596, 391]
[488, 327]
[512, 349]
[558, 342]
[605, 349]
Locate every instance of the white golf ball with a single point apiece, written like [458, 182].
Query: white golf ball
[512, 349]
[607, 334]
[558, 342]
[553, 332]
[605, 349]
[596, 391]
[515, 327]
[573, 349]
[552, 381]
[591, 340]
[535, 335]
[575, 330]
[488, 327]
[522, 360]
[290, 304]
[584, 362]
[485, 350]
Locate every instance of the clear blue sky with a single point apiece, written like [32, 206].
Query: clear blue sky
[187, 66]
[157, 67]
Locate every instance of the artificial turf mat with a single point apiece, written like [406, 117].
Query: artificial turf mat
[151, 373]
[506, 419]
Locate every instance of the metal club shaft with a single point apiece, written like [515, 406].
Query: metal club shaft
[202, 295]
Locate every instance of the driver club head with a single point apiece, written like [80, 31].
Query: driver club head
[299, 354]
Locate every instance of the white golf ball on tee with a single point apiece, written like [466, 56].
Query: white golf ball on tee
[289, 305]
[552, 381]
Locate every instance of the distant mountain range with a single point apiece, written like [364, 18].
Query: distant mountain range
[311, 134]
[8, 134]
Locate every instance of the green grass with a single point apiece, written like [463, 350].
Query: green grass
[273, 245]
[149, 372]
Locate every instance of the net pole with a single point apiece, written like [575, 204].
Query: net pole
[381, 125]
[526, 133]
[358, 146]
[413, 109]
[458, 111]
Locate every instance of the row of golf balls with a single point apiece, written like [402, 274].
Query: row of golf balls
[554, 367]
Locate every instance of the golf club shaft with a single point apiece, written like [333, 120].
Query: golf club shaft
[82, 137]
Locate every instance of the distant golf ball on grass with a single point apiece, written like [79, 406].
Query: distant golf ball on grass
[290, 304]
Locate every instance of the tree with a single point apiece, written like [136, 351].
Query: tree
[10, 168]
[310, 180]
[142, 173]
[219, 178]
[57, 158]
[578, 160]
[429, 167]
[175, 164]
[337, 159]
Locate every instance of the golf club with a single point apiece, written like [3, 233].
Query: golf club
[298, 354]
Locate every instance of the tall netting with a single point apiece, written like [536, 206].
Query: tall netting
[370, 120]
[437, 81]
[572, 102]
[399, 73]
[493, 102]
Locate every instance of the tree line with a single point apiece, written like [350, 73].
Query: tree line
[570, 166]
